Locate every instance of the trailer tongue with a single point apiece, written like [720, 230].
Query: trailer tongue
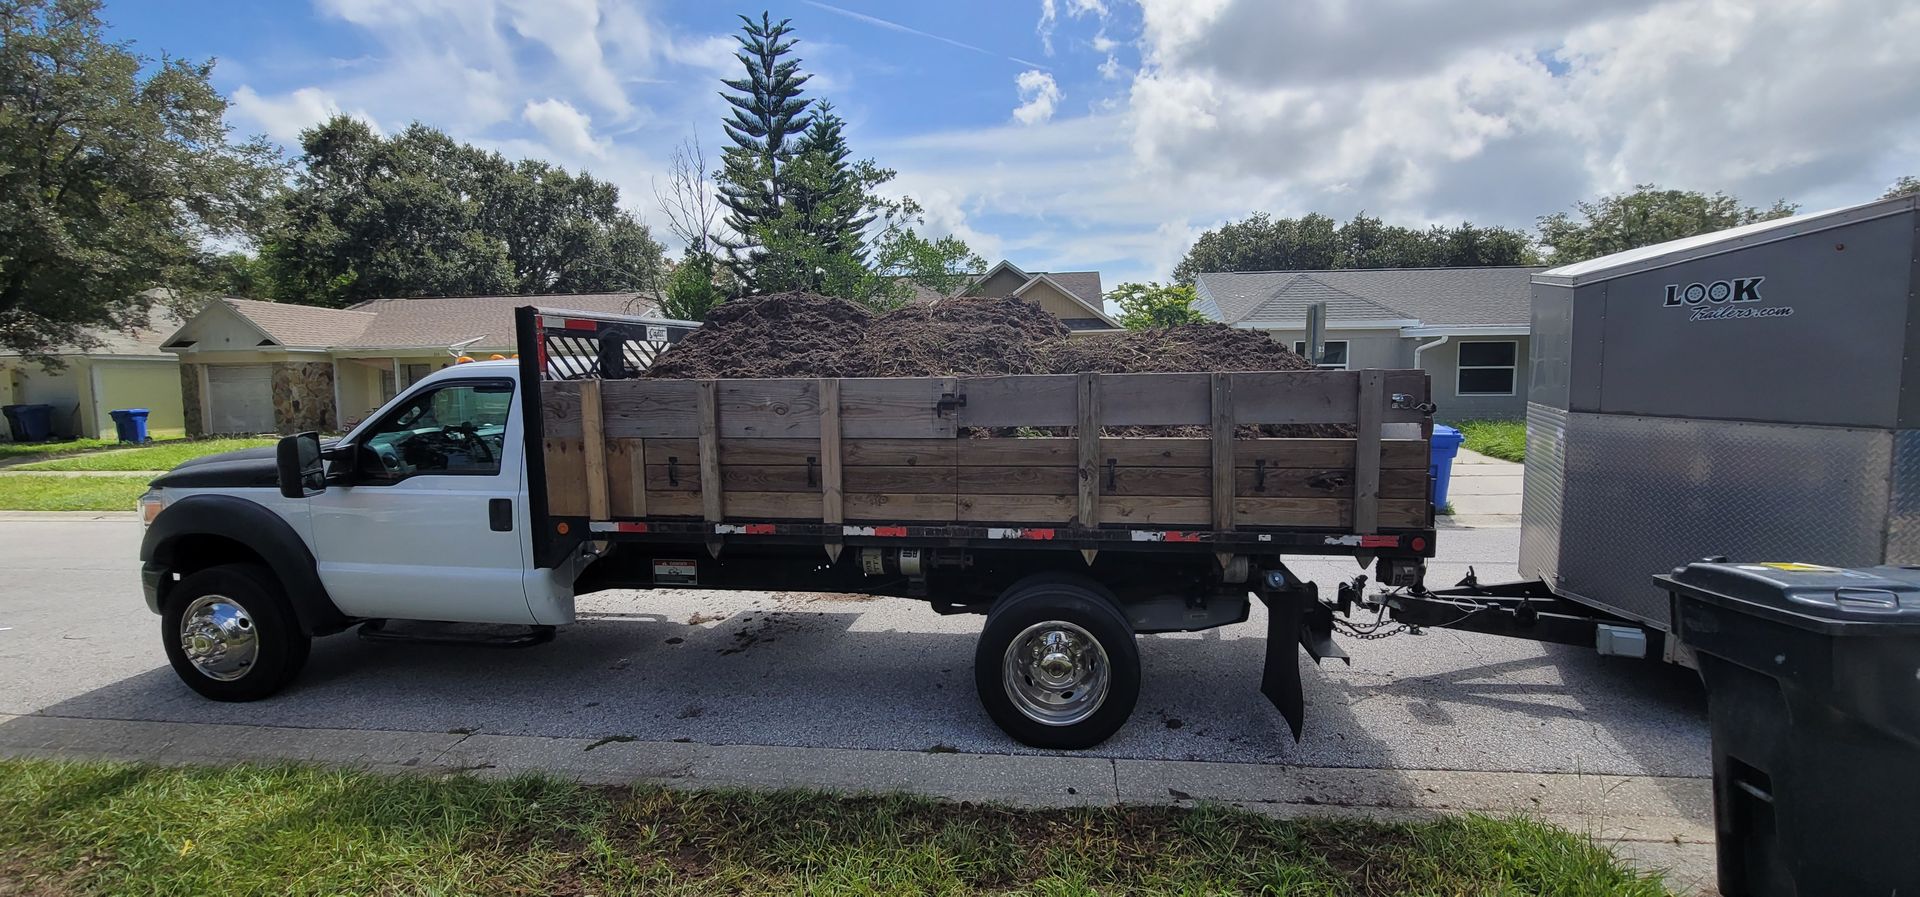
[1003, 495]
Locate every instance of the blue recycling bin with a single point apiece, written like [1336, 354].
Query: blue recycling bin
[1440, 455]
[130, 424]
[30, 423]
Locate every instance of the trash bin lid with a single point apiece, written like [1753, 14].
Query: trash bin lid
[1444, 435]
[1812, 595]
[127, 411]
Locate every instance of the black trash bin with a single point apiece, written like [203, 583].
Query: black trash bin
[1813, 687]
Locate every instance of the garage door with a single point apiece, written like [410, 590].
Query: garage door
[240, 398]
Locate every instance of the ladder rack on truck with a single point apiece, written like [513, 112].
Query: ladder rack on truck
[941, 488]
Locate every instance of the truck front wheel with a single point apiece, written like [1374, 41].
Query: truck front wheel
[230, 633]
[1056, 666]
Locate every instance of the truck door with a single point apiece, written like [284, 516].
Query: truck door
[430, 528]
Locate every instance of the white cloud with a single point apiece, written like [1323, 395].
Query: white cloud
[1104, 44]
[1111, 69]
[1038, 97]
[565, 127]
[1050, 19]
[570, 30]
[283, 118]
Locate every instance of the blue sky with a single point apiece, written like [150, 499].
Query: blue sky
[1106, 134]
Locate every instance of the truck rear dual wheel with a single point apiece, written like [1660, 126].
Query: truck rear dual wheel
[1056, 666]
[231, 635]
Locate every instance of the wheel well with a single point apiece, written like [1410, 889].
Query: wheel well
[192, 553]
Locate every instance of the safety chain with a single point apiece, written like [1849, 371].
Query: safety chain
[1368, 633]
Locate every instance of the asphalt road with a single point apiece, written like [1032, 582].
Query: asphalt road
[779, 669]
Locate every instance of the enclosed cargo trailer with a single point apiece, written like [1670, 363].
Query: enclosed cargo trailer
[1751, 393]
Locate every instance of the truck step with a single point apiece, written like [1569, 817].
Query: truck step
[460, 634]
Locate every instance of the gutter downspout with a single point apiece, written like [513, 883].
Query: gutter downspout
[1425, 346]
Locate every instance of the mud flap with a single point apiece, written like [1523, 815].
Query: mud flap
[1280, 681]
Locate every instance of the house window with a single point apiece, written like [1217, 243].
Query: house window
[1487, 369]
[1334, 356]
[416, 372]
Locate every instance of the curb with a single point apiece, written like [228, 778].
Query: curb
[1658, 822]
[70, 516]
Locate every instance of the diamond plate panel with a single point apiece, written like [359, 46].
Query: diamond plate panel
[1644, 494]
[1541, 492]
[1903, 505]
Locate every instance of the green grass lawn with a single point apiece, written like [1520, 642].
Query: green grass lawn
[12, 450]
[97, 828]
[1504, 439]
[160, 456]
[102, 493]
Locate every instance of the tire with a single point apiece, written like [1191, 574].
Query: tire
[249, 643]
[1075, 624]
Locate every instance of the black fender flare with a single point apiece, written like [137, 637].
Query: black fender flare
[261, 531]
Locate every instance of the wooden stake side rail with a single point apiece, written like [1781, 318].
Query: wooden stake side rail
[885, 450]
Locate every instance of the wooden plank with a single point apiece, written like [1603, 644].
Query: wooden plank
[1283, 482]
[1025, 400]
[747, 506]
[887, 507]
[899, 452]
[1372, 397]
[1182, 510]
[566, 476]
[1128, 400]
[1017, 452]
[1316, 397]
[1328, 512]
[1222, 467]
[894, 408]
[992, 508]
[1164, 451]
[627, 477]
[832, 499]
[560, 409]
[769, 408]
[910, 480]
[1017, 480]
[1188, 481]
[593, 449]
[651, 409]
[1087, 433]
[711, 491]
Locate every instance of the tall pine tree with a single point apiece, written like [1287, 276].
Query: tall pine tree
[768, 120]
[834, 201]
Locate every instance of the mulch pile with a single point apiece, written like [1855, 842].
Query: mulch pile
[806, 335]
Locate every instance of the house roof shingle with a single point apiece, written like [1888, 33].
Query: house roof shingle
[301, 326]
[439, 322]
[1432, 296]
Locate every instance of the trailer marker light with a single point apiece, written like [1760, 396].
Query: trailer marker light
[560, 527]
[1419, 544]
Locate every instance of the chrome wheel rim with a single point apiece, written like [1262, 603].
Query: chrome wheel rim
[1056, 673]
[218, 638]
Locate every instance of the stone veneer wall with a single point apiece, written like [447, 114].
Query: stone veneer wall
[190, 399]
[303, 397]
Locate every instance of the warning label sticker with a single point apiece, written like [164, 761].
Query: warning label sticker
[675, 572]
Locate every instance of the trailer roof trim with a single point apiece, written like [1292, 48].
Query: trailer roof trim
[1687, 249]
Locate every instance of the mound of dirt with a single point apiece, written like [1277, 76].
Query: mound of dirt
[804, 335]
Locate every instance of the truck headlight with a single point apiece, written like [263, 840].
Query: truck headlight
[151, 504]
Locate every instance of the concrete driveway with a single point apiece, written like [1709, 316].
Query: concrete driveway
[873, 691]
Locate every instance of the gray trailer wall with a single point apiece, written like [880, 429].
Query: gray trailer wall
[1823, 341]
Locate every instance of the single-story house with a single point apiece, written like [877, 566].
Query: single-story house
[1072, 296]
[1466, 327]
[248, 366]
[127, 370]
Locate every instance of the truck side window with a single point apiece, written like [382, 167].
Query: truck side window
[459, 428]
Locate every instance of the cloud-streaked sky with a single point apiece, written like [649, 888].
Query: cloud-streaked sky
[1107, 134]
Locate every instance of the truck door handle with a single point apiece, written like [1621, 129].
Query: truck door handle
[500, 515]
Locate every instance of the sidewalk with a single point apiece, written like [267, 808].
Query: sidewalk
[1485, 491]
[1654, 822]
